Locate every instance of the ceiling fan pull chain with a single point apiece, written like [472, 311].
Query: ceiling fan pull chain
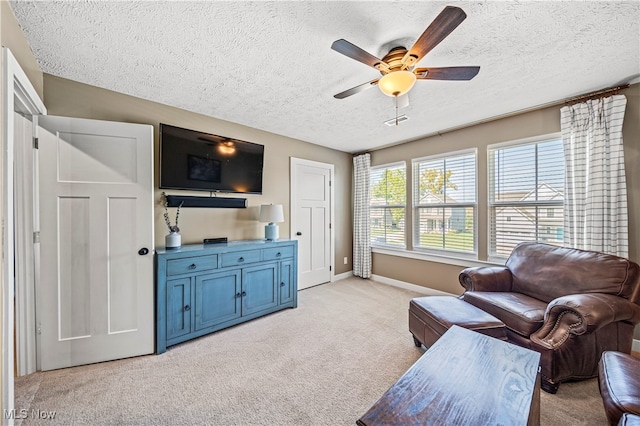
[396, 109]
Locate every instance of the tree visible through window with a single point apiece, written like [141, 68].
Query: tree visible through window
[445, 202]
[388, 192]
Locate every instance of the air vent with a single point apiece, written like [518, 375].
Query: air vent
[395, 121]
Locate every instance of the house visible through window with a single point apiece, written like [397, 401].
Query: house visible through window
[444, 194]
[388, 194]
[526, 193]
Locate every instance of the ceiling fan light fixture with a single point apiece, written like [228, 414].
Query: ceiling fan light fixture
[397, 83]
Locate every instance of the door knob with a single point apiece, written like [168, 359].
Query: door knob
[143, 251]
[298, 233]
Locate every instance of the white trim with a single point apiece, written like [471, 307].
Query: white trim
[408, 286]
[293, 161]
[390, 165]
[636, 345]
[447, 260]
[342, 276]
[548, 137]
[450, 154]
[16, 85]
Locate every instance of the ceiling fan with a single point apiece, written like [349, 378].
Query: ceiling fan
[398, 66]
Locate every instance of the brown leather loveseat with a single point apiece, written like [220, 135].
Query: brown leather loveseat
[570, 305]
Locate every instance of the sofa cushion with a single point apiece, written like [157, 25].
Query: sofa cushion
[619, 384]
[519, 312]
[547, 272]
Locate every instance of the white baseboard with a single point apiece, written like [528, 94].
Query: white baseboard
[408, 286]
[342, 276]
[431, 292]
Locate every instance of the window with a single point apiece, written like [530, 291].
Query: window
[444, 198]
[526, 194]
[388, 194]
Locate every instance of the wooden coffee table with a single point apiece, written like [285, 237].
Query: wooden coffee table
[465, 378]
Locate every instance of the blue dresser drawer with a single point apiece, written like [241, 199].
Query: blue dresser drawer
[192, 264]
[240, 258]
[277, 253]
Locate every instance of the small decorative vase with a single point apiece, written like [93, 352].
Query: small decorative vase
[173, 240]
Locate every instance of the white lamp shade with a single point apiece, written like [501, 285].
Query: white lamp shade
[271, 213]
[397, 83]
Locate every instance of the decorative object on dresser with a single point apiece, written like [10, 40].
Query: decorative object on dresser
[173, 239]
[271, 213]
[205, 288]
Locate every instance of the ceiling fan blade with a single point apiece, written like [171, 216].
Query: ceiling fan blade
[354, 52]
[356, 89]
[447, 21]
[446, 73]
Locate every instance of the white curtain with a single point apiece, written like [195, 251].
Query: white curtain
[595, 199]
[361, 234]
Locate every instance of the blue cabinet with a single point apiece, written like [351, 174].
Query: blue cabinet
[204, 288]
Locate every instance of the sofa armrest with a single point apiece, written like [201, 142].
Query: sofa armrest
[582, 314]
[482, 278]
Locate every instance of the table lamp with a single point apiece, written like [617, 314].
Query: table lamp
[271, 213]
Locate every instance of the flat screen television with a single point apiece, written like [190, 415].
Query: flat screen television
[200, 161]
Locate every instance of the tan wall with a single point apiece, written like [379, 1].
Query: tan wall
[68, 98]
[11, 36]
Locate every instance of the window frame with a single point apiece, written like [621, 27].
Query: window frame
[416, 206]
[386, 166]
[541, 206]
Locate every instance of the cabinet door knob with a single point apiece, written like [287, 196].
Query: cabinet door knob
[187, 308]
[282, 284]
[192, 266]
[241, 259]
[238, 294]
[298, 233]
[279, 254]
[143, 251]
[244, 293]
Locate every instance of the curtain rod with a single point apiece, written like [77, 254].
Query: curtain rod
[598, 94]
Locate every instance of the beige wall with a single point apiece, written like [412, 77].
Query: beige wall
[68, 98]
[11, 36]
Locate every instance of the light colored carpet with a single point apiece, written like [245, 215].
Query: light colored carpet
[324, 363]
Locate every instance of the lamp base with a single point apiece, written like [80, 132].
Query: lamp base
[271, 232]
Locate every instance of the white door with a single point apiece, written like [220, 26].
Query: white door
[311, 220]
[95, 293]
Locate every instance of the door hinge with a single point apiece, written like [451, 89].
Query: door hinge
[35, 143]
[330, 268]
[329, 226]
[36, 237]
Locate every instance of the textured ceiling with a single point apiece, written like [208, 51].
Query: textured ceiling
[269, 65]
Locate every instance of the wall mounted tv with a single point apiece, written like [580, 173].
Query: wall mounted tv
[204, 162]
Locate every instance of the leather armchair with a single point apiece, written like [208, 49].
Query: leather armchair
[570, 305]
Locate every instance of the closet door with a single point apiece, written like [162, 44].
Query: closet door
[95, 296]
